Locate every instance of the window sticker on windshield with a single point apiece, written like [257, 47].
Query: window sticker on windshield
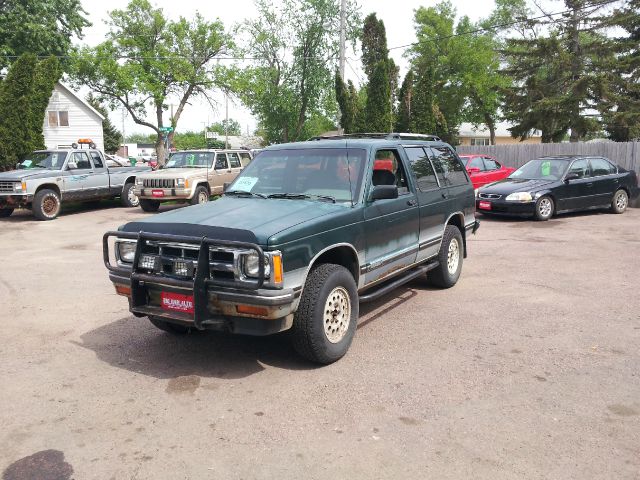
[245, 183]
[27, 163]
[545, 169]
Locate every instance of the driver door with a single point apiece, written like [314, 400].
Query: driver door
[75, 180]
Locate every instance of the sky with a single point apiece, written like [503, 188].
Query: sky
[397, 16]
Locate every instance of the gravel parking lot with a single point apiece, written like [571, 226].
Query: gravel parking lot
[528, 368]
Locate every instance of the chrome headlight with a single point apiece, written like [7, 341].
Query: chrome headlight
[180, 182]
[273, 268]
[139, 181]
[519, 197]
[20, 187]
[126, 251]
[251, 265]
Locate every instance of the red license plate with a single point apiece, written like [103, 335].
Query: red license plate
[157, 193]
[484, 205]
[176, 302]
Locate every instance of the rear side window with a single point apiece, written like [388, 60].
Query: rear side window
[97, 159]
[491, 164]
[221, 161]
[449, 168]
[599, 166]
[245, 158]
[476, 162]
[422, 168]
[234, 160]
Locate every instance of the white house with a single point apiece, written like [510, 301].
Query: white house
[69, 118]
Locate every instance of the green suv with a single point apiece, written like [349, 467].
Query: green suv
[300, 238]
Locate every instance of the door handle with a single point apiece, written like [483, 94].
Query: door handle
[445, 194]
[590, 184]
[412, 203]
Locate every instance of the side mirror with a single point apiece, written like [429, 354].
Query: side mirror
[18, 166]
[72, 166]
[384, 192]
[225, 185]
[571, 176]
[473, 170]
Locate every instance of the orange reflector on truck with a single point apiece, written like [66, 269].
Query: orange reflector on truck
[123, 290]
[252, 310]
[277, 269]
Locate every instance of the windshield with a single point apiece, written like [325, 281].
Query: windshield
[50, 160]
[541, 169]
[319, 172]
[190, 160]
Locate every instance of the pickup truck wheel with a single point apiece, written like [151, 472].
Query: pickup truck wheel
[128, 198]
[169, 327]
[149, 205]
[200, 196]
[620, 202]
[5, 212]
[327, 317]
[46, 204]
[450, 258]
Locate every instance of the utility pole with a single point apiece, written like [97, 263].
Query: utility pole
[226, 123]
[123, 134]
[343, 41]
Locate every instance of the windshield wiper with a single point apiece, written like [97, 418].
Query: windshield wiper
[244, 192]
[302, 196]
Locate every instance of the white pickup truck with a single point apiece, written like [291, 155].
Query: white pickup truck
[46, 178]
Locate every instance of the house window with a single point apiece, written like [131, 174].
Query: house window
[58, 118]
[480, 141]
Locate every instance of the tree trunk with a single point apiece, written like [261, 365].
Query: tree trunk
[160, 150]
[492, 128]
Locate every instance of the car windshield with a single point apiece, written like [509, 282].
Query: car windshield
[49, 160]
[190, 160]
[318, 173]
[541, 169]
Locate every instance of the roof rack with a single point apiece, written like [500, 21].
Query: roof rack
[382, 136]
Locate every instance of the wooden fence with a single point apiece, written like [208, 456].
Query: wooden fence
[626, 155]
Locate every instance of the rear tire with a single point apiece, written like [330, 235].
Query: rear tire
[450, 257]
[327, 317]
[620, 202]
[149, 205]
[129, 199]
[46, 204]
[544, 208]
[5, 212]
[168, 327]
[200, 196]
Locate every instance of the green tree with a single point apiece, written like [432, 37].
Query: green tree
[40, 27]
[45, 76]
[349, 104]
[112, 136]
[148, 60]
[290, 90]
[405, 101]
[232, 127]
[378, 113]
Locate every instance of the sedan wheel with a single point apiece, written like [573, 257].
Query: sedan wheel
[620, 202]
[544, 208]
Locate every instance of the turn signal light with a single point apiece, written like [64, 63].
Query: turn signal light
[277, 269]
[252, 310]
[123, 290]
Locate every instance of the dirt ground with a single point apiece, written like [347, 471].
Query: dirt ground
[528, 368]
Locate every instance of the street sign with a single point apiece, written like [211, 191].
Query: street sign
[211, 135]
[166, 129]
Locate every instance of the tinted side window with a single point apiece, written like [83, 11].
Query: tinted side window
[234, 160]
[422, 168]
[221, 161]
[97, 159]
[491, 164]
[599, 166]
[452, 171]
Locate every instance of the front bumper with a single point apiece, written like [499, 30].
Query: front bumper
[502, 207]
[215, 302]
[15, 200]
[163, 194]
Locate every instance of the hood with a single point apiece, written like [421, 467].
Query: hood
[262, 217]
[17, 175]
[511, 185]
[176, 173]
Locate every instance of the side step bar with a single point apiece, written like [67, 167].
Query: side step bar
[392, 285]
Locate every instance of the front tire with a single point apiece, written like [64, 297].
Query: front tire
[149, 205]
[544, 208]
[200, 196]
[128, 198]
[169, 327]
[327, 317]
[620, 202]
[450, 257]
[46, 204]
[5, 212]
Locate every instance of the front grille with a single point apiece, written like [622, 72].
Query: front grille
[159, 183]
[492, 196]
[181, 260]
[6, 187]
